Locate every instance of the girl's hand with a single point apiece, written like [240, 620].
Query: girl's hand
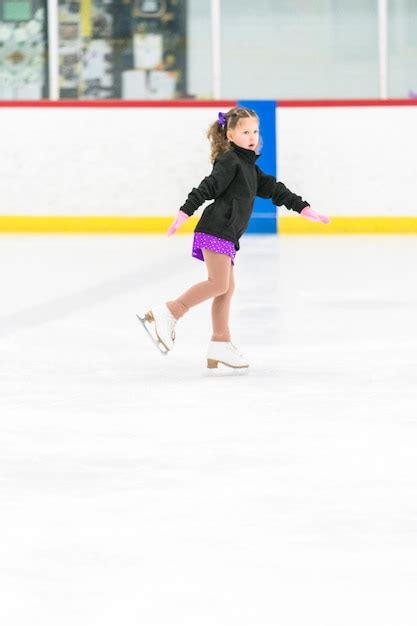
[181, 217]
[311, 215]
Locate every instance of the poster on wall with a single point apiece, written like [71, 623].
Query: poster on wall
[23, 67]
[131, 49]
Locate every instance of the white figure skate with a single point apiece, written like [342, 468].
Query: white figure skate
[159, 323]
[226, 353]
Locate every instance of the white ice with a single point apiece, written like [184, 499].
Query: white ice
[138, 490]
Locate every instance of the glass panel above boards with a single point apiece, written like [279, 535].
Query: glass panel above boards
[129, 49]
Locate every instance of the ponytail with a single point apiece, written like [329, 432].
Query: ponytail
[219, 143]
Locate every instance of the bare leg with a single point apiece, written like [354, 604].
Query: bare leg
[218, 269]
[220, 311]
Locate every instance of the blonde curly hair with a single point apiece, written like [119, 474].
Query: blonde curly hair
[217, 132]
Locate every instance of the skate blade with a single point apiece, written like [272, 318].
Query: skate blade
[155, 340]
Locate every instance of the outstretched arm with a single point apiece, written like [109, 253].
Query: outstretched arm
[269, 187]
[211, 187]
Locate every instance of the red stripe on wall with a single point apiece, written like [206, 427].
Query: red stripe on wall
[346, 103]
[197, 103]
[117, 103]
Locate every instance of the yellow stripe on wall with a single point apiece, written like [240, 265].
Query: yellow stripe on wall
[357, 225]
[159, 225]
[89, 224]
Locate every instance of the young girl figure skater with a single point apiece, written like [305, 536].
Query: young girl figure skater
[233, 184]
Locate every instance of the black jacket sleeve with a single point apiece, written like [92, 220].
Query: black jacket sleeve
[224, 170]
[268, 187]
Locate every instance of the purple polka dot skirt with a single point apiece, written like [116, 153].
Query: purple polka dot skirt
[210, 242]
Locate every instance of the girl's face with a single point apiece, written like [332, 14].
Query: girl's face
[246, 133]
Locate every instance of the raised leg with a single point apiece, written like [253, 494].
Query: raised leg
[217, 283]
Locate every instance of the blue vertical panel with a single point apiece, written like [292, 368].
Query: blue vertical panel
[264, 216]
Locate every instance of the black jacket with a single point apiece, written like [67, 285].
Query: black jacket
[234, 183]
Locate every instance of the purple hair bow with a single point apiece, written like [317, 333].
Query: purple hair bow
[221, 119]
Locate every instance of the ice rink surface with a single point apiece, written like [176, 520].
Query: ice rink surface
[138, 490]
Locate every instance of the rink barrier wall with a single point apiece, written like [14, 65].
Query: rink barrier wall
[292, 160]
